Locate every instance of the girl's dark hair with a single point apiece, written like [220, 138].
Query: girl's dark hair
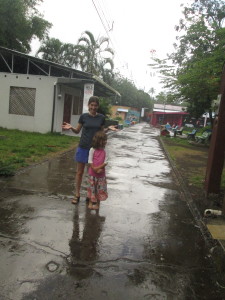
[99, 139]
[93, 99]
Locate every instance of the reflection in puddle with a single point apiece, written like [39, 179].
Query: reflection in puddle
[85, 243]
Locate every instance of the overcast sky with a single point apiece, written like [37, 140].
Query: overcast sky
[135, 28]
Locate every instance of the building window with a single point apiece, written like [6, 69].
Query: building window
[22, 101]
[77, 105]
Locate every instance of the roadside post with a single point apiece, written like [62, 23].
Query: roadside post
[215, 161]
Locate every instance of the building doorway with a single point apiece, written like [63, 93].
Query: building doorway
[67, 108]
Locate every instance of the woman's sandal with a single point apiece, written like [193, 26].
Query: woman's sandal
[75, 200]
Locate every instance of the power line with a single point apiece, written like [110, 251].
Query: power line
[110, 29]
[104, 4]
[102, 22]
[108, 22]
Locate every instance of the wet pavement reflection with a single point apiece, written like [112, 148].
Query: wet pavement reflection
[143, 243]
[84, 244]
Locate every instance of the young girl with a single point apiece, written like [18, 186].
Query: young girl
[97, 189]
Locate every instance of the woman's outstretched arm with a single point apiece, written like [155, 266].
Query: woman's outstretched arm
[67, 126]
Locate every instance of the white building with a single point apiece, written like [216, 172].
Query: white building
[38, 95]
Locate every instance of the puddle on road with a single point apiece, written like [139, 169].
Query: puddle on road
[136, 247]
[55, 176]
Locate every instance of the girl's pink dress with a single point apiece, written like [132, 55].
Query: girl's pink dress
[97, 189]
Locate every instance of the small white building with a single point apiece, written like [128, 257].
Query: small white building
[38, 95]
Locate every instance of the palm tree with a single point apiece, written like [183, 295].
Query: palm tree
[94, 54]
[152, 91]
[90, 55]
[106, 67]
[54, 50]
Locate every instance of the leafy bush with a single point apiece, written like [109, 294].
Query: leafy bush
[6, 169]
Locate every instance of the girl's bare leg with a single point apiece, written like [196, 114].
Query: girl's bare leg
[90, 206]
[95, 205]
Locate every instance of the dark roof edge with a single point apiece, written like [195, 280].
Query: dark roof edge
[99, 80]
[89, 75]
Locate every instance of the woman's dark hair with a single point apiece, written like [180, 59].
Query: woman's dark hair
[98, 139]
[93, 99]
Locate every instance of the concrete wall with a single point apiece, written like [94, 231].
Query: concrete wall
[42, 119]
[44, 103]
[115, 113]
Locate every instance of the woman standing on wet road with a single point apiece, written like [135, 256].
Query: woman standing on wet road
[90, 123]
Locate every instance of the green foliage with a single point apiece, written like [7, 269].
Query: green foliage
[197, 180]
[95, 55]
[6, 169]
[166, 98]
[152, 91]
[19, 149]
[118, 119]
[88, 55]
[62, 53]
[104, 107]
[130, 95]
[19, 23]
[192, 72]
[203, 129]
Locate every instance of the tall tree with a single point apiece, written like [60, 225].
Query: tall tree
[94, 54]
[152, 91]
[104, 107]
[130, 95]
[106, 67]
[20, 22]
[198, 57]
[62, 53]
[79, 56]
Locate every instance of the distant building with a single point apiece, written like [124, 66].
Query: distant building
[126, 113]
[163, 113]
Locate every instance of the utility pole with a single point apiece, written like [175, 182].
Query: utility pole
[217, 148]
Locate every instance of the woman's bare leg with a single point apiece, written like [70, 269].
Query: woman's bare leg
[78, 181]
[79, 176]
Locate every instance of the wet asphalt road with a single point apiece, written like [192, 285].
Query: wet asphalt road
[143, 243]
